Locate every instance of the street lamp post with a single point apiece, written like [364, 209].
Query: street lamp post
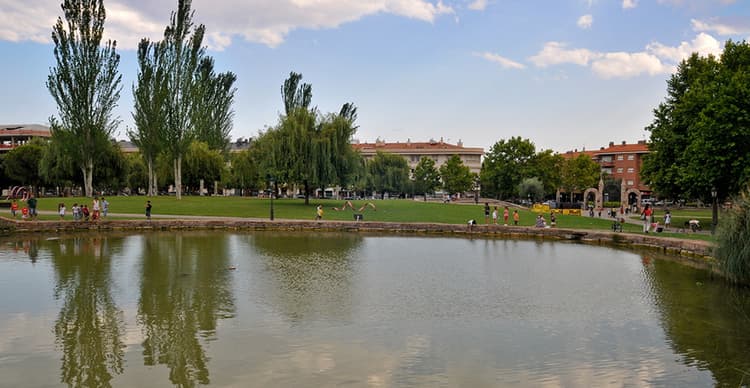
[715, 210]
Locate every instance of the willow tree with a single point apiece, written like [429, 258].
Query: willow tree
[150, 93]
[182, 52]
[212, 113]
[85, 84]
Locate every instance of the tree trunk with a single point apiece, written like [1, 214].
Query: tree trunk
[150, 166]
[178, 177]
[88, 177]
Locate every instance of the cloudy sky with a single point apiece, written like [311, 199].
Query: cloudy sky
[564, 73]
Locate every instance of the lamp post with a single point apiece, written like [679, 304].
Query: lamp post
[715, 210]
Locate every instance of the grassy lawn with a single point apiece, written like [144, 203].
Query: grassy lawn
[386, 210]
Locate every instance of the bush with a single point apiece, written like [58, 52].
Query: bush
[733, 241]
[612, 204]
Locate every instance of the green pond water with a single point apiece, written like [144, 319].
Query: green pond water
[319, 310]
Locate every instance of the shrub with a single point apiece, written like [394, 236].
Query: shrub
[733, 241]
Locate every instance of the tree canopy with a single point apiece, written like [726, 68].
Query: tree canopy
[426, 177]
[389, 173]
[510, 161]
[456, 177]
[699, 135]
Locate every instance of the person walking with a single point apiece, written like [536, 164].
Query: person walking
[667, 220]
[14, 208]
[506, 214]
[646, 218]
[516, 217]
[494, 216]
[319, 212]
[148, 210]
[105, 207]
[61, 210]
[486, 213]
[32, 206]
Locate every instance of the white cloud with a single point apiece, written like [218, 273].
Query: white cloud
[656, 59]
[627, 65]
[478, 5]
[703, 44]
[555, 53]
[722, 27]
[629, 4]
[502, 61]
[267, 22]
[585, 21]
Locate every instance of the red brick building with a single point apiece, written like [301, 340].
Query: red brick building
[623, 162]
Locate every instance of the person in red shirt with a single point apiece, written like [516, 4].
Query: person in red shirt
[14, 208]
[646, 217]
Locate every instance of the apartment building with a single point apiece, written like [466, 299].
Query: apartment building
[439, 151]
[14, 135]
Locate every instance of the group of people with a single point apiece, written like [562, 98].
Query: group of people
[99, 209]
[28, 212]
[496, 214]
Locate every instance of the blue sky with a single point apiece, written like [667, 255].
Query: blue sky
[564, 73]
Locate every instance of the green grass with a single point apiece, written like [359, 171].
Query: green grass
[387, 210]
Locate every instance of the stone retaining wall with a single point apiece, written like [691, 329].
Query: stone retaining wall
[693, 249]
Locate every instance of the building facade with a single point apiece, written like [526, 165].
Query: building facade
[15, 135]
[620, 162]
[439, 151]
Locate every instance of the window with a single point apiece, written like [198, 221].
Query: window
[630, 169]
[631, 157]
[630, 183]
[606, 159]
[619, 170]
[607, 171]
[620, 157]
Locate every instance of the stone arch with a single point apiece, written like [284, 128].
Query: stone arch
[597, 197]
[635, 191]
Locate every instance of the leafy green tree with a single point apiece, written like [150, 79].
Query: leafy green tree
[699, 136]
[150, 112]
[580, 173]
[183, 52]
[307, 149]
[202, 163]
[57, 167]
[389, 172]
[456, 177]
[507, 163]
[531, 187]
[22, 163]
[212, 114]
[138, 174]
[113, 173]
[426, 177]
[547, 165]
[85, 84]
[244, 171]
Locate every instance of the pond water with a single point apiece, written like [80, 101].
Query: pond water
[301, 310]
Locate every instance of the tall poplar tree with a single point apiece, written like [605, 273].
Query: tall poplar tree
[85, 84]
[183, 51]
[212, 113]
[149, 115]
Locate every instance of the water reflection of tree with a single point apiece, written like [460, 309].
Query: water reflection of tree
[705, 319]
[312, 272]
[90, 326]
[186, 286]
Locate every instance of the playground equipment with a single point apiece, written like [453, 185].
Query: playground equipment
[18, 192]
